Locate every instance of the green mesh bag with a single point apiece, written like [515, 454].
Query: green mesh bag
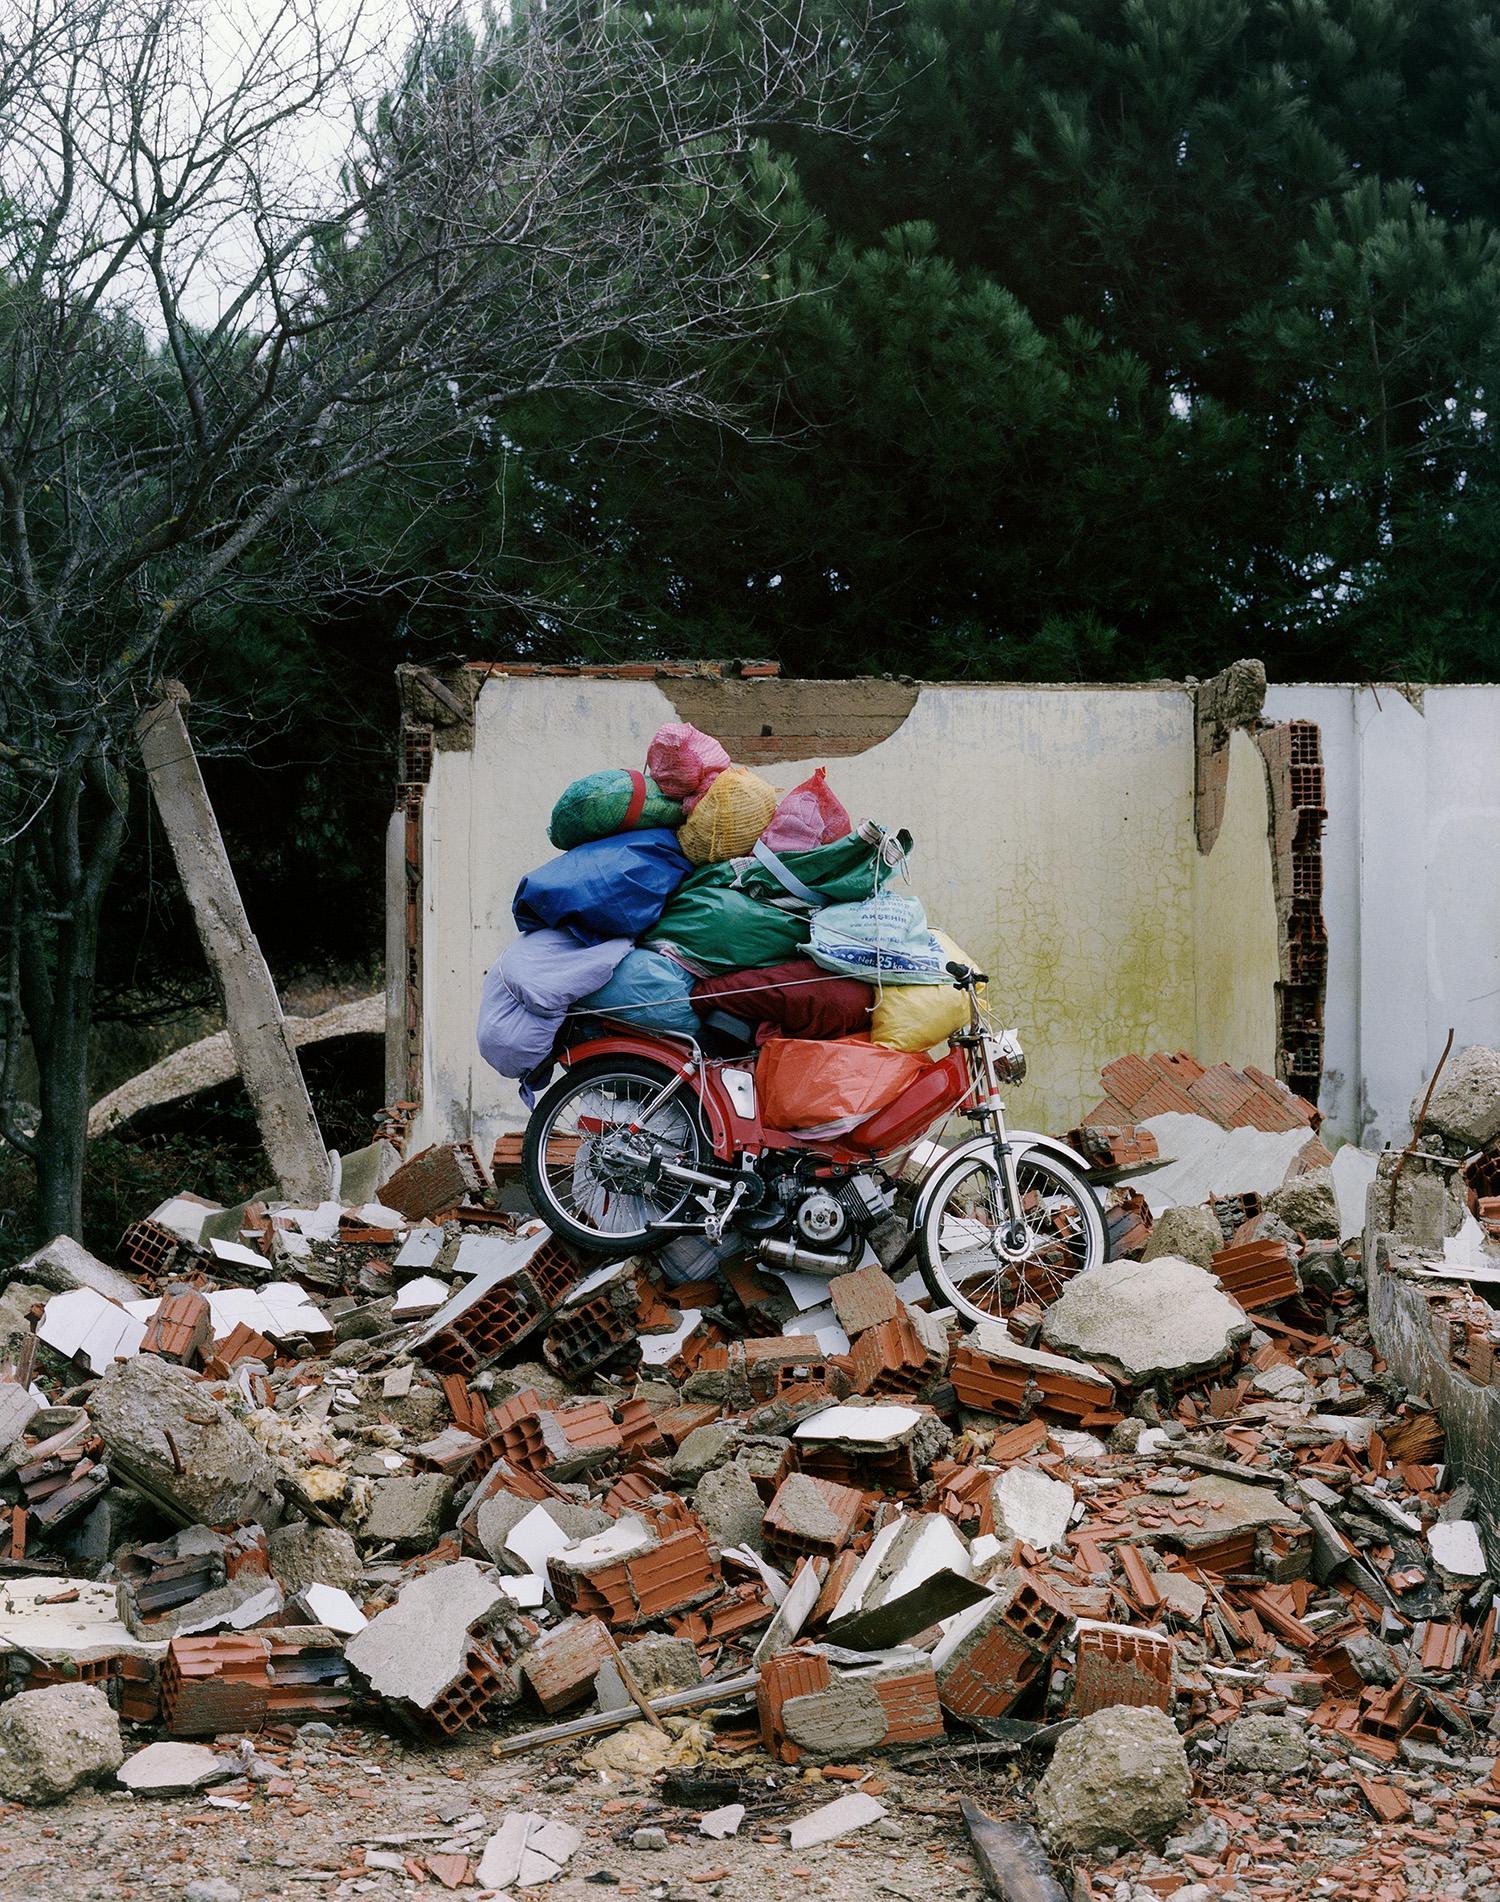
[602, 804]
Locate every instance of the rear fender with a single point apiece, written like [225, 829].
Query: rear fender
[730, 1133]
[1020, 1141]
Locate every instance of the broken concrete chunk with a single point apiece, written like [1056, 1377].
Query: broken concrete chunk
[1192, 1234]
[419, 1646]
[662, 1664]
[1275, 1745]
[835, 1819]
[1146, 1320]
[722, 1822]
[163, 1769]
[904, 1557]
[1120, 1775]
[181, 1449]
[728, 1502]
[1309, 1205]
[56, 1739]
[65, 1264]
[1465, 1105]
[1457, 1547]
[704, 1448]
[408, 1512]
[1031, 1507]
[836, 1725]
[303, 1555]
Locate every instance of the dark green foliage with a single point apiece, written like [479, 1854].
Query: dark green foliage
[1123, 340]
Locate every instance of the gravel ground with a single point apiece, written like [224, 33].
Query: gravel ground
[372, 1792]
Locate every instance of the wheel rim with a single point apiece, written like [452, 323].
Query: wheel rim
[962, 1228]
[580, 1181]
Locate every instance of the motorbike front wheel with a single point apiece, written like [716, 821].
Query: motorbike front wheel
[958, 1244]
[586, 1200]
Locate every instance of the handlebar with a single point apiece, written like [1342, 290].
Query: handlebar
[964, 975]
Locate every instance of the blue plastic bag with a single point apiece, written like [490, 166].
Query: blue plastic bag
[527, 994]
[608, 888]
[648, 991]
[883, 940]
[548, 971]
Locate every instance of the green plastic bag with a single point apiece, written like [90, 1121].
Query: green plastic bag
[602, 804]
[740, 915]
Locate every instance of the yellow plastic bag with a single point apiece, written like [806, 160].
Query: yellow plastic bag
[729, 818]
[918, 1016]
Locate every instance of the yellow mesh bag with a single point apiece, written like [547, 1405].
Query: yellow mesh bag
[917, 1016]
[729, 818]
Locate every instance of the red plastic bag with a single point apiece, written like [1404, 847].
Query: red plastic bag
[800, 997]
[811, 815]
[804, 1083]
[684, 762]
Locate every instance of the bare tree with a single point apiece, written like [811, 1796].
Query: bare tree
[209, 331]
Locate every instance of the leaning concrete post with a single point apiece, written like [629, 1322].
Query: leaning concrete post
[267, 1057]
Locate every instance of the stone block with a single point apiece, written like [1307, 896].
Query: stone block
[1145, 1321]
[303, 1555]
[1465, 1106]
[65, 1264]
[728, 1502]
[1192, 1234]
[408, 1512]
[55, 1740]
[419, 1646]
[1120, 1775]
[210, 1471]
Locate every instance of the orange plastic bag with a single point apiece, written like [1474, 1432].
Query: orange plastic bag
[805, 1083]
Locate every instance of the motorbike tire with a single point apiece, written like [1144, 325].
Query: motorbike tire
[631, 1081]
[972, 1276]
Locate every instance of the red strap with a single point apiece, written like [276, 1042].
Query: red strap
[637, 800]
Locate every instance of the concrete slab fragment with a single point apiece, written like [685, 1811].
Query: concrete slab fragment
[65, 1264]
[526, 1850]
[163, 1769]
[414, 1650]
[1144, 1320]
[1033, 1507]
[835, 1819]
[1207, 1160]
[1458, 1548]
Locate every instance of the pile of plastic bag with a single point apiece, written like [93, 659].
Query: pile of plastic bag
[694, 897]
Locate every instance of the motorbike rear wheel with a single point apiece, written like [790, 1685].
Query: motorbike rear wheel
[957, 1245]
[582, 1199]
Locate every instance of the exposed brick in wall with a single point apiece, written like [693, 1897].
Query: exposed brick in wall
[1293, 754]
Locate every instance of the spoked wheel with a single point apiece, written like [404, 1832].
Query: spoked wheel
[585, 1154]
[961, 1245]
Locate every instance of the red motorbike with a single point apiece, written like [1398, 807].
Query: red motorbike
[646, 1137]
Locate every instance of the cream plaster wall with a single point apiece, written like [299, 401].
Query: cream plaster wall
[1054, 842]
[1236, 923]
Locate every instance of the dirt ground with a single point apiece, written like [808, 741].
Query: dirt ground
[337, 1801]
[373, 1791]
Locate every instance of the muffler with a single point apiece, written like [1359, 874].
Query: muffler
[788, 1255]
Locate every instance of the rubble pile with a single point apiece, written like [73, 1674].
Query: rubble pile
[1178, 1558]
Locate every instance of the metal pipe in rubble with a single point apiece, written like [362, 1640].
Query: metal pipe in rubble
[787, 1255]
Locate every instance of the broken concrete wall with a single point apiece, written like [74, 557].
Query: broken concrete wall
[1056, 842]
[1410, 900]
[1401, 1325]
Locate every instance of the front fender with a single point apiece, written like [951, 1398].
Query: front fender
[1020, 1140]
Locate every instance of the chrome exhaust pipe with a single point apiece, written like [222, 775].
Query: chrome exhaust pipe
[788, 1255]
